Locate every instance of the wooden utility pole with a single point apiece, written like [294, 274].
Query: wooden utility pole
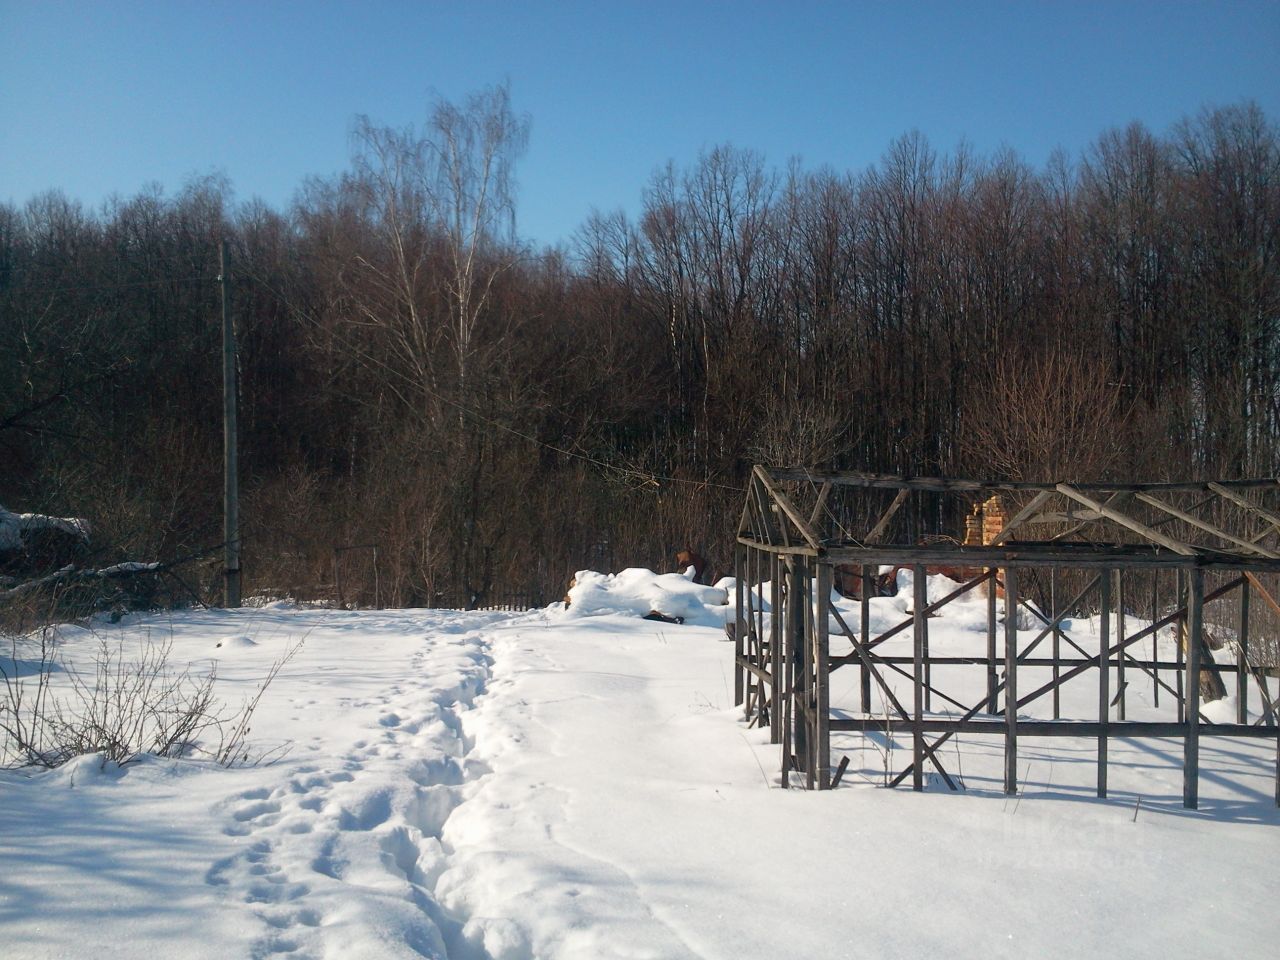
[230, 485]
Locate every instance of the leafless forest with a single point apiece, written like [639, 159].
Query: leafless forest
[493, 416]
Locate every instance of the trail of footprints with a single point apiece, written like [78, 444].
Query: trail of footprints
[400, 784]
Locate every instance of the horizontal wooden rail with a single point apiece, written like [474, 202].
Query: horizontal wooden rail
[1114, 730]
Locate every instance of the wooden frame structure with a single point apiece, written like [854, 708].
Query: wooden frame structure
[792, 537]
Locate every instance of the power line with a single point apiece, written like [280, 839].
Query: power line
[115, 286]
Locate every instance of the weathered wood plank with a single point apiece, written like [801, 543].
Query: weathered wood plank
[1122, 645]
[920, 602]
[1104, 678]
[824, 493]
[992, 685]
[864, 630]
[883, 523]
[1115, 516]
[779, 549]
[1242, 658]
[1022, 554]
[740, 627]
[1085, 729]
[858, 478]
[1021, 517]
[1121, 683]
[860, 651]
[1011, 682]
[1204, 525]
[930, 609]
[784, 504]
[822, 673]
[1236, 497]
[1191, 740]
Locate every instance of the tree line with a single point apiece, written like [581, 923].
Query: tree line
[493, 416]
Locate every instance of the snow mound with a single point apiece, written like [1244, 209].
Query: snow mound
[236, 642]
[14, 525]
[87, 768]
[128, 567]
[637, 592]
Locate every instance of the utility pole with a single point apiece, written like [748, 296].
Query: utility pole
[230, 484]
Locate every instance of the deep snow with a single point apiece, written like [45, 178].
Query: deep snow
[576, 784]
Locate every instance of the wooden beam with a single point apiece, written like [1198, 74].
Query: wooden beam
[1011, 683]
[1124, 644]
[821, 504]
[741, 619]
[975, 660]
[928, 610]
[1191, 739]
[992, 685]
[1086, 517]
[1266, 594]
[1104, 679]
[758, 671]
[1204, 525]
[883, 524]
[1057, 728]
[783, 550]
[920, 601]
[1241, 501]
[866, 659]
[1065, 516]
[801, 524]
[767, 522]
[1023, 554]
[822, 674]
[857, 478]
[1128, 523]
[1021, 517]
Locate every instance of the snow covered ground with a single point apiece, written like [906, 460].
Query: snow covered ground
[577, 784]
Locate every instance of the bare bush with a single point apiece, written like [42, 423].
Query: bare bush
[1055, 415]
[121, 708]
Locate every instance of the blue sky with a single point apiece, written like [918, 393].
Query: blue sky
[102, 98]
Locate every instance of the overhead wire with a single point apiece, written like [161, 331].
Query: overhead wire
[645, 477]
[118, 286]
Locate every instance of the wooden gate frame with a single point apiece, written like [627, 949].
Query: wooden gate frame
[783, 661]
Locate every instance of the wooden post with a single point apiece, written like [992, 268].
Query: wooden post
[777, 659]
[1104, 680]
[1180, 631]
[917, 648]
[928, 666]
[1057, 643]
[1120, 633]
[1242, 657]
[865, 633]
[1191, 740]
[992, 682]
[230, 444]
[822, 667]
[757, 582]
[784, 680]
[797, 688]
[740, 624]
[1011, 681]
[808, 653]
[762, 652]
[753, 642]
[1155, 639]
